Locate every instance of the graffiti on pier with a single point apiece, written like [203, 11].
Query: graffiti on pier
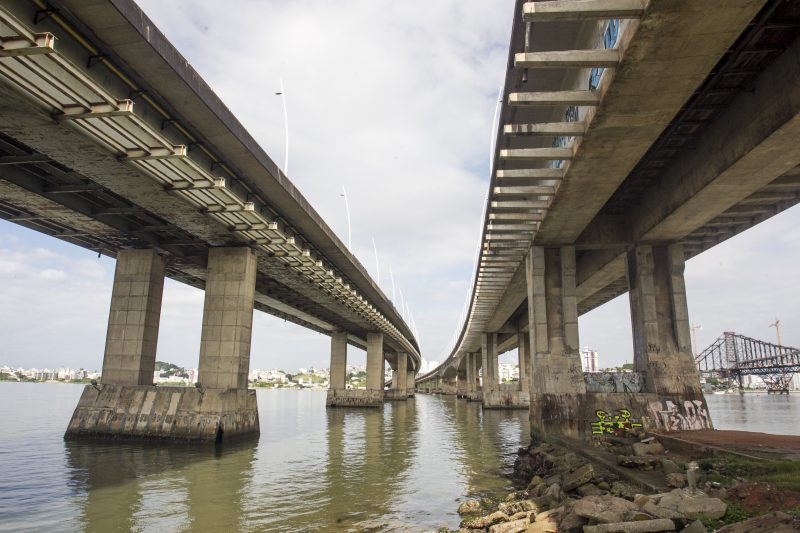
[613, 381]
[614, 424]
[671, 416]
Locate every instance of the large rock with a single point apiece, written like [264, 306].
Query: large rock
[482, 522]
[695, 527]
[670, 467]
[605, 509]
[543, 527]
[676, 480]
[642, 449]
[517, 526]
[579, 476]
[776, 522]
[642, 526]
[680, 503]
[589, 490]
[470, 507]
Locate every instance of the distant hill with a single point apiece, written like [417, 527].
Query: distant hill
[168, 369]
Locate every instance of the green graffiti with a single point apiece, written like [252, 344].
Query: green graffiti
[616, 424]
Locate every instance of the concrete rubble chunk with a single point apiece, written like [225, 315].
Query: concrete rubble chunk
[483, 522]
[552, 516]
[645, 462]
[695, 527]
[543, 527]
[642, 526]
[580, 476]
[589, 489]
[681, 503]
[517, 526]
[642, 449]
[775, 522]
[605, 509]
[469, 507]
[670, 467]
[676, 480]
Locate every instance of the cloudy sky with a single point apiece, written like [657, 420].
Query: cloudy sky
[394, 102]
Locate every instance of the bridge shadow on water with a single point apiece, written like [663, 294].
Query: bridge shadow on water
[400, 468]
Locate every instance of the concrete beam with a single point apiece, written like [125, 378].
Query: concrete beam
[601, 58]
[546, 129]
[565, 10]
[554, 98]
[531, 174]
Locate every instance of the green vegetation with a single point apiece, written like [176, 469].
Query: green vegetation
[734, 513]
[357, 379]
[168, 369]
[781, 473]
[82, 380]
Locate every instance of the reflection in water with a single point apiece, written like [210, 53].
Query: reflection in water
[400, 468]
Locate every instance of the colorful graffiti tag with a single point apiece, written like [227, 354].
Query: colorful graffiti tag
[670, 416]
[614, 424]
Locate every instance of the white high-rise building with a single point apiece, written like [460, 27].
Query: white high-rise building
[590, 360]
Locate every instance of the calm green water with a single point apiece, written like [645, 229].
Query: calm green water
[400, 468]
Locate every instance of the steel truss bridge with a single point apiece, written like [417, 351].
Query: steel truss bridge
[734, 356]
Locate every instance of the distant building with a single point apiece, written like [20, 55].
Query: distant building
[590, 360]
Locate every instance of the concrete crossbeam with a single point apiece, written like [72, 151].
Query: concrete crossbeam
[536, 154]
[565, 10]
[526, 190]
[554, 98]
[520, 204]
[133, 320]
[531, 173]
[600, 58]
[545, 129]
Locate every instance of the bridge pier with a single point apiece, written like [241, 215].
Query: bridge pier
[411, 383]
[372, 396]
[662, 338]
[126, 405]
[473, 384]
[399, 388]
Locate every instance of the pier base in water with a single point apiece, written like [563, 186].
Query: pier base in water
[174, 413]
[354, 398]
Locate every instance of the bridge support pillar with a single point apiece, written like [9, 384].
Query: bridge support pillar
[133, 320]
[557, 389]
[491, 396]
[411, 380]
[399, 390]
[221, 406]
[661, 336]
[373, 395]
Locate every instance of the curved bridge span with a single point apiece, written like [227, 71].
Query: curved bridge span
[631, 139]
[111, 141]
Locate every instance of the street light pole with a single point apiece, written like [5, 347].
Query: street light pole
[349, 229]
[282, 94]
[777, 326]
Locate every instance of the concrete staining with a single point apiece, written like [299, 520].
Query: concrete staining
[111, 411]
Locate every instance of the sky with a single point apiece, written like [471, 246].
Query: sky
[392, 102]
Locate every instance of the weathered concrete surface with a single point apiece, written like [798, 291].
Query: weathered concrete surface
[133, 320]
[506, 397]
[147, 412]
[354, 398]
[227, 318]
[338, 368]
[395, 394]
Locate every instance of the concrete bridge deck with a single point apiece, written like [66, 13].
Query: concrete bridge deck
[111, 141]
[633, 136]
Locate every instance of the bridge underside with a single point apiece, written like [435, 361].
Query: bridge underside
[686, 136]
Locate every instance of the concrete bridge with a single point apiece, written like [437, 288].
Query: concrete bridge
[111, 141]
[634, 135]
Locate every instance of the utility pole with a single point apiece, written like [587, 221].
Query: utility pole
[777, 326]
[694, 339]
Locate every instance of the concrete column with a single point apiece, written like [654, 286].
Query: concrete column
[411, 383]
[227, 318]
[524, 360]
[375, 361]
[476, 363]
[490, 362]
[402, 373]
[660, 319]
[338, 371]
[471, 382]
[133, 319]
[557, 389]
